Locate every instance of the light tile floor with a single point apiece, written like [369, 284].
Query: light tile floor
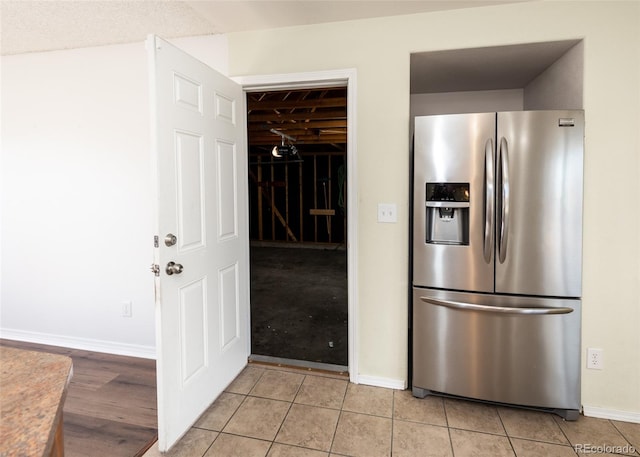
[280, 412]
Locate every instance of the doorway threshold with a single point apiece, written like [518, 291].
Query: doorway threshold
[305, 364]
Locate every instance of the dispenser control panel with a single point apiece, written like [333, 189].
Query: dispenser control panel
[448, 191]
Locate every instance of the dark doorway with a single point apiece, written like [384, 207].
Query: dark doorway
[297, 185]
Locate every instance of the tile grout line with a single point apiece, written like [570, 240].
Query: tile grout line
[230, 417]
[273, 441]
[446, 418]
[236, 410]
[513, 449]
[393, 420]
[210, 445]
[623, 436]
[555, 421]
[335, 430]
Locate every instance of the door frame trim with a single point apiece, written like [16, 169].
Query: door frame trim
[319, 79]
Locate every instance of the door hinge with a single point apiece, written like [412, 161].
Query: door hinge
[156, 241]
[155, 269]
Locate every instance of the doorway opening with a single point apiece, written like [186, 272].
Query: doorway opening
[297, 146]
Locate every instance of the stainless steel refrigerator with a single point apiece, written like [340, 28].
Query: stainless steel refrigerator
[497, 257]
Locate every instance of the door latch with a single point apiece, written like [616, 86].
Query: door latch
[155, 269]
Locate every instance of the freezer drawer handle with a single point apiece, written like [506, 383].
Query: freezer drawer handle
[496, 309]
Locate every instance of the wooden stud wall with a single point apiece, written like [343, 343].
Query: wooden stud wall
[297, 201]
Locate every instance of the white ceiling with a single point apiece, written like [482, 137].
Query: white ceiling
[46, 25]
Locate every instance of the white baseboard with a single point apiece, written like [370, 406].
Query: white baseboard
[87, 344]
[398, 384]
[613, 414]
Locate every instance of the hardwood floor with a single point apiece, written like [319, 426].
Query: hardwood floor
[111, 403]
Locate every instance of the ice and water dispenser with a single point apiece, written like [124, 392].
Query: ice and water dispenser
[447, 206]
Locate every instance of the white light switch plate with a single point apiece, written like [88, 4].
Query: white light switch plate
[387, 212]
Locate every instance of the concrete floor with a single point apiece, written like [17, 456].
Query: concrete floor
[299, 304]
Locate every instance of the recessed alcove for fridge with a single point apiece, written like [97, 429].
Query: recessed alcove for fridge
[531, 76]
[533, 83]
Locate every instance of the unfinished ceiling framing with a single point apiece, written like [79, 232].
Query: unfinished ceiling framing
[315, 118]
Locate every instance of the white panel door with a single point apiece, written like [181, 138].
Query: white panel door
[200, 161]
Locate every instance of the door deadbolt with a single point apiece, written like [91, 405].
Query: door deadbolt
[170, 239]
[173, 268]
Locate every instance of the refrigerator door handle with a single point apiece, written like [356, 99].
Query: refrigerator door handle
[533, 310]
[489, 200]
[504, 211]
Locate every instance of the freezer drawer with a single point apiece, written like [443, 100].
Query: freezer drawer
[516, 350]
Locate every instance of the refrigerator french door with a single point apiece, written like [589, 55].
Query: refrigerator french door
[497, 256]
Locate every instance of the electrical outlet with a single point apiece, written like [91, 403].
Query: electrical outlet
[387, 212]
[127, 309]
[595, 358]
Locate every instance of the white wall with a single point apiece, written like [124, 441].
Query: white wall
[481, 101]
[379, 50]
[561, 85]
[77, 228]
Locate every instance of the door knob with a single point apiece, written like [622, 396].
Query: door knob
[173, 268]
[170, 239]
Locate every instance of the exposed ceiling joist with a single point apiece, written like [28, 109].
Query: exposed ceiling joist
[315, 117]
[282, 105]
[258, 127]
[302, 139]
[299, 116]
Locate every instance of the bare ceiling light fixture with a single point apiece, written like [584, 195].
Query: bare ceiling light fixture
[284, 150]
